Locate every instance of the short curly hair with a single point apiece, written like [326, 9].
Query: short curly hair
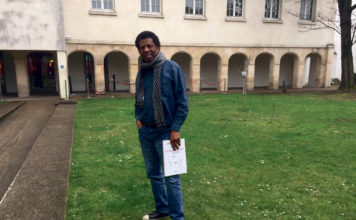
[145, 35]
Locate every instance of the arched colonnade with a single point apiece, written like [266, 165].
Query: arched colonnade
[205, 68]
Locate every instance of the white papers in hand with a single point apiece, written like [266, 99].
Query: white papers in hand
[174, 162]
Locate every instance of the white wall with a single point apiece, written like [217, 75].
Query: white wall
[336, 71]
[76, 71]
[31, 25]
[313, 69]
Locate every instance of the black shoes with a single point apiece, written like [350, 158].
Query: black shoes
[155, 215]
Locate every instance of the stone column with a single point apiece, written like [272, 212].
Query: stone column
[63, 75]
[132, 77]
[296, 68]
[329, 65]
[250, 81]
[22, 77]
[319, 72]
[298, 77]
[274, 75]
[196, 77]
[99, 79]
[223, 78]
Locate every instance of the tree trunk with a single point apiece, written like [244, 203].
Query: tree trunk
[347, 69]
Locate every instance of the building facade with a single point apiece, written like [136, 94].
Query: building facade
[32, 48]
[275, 41]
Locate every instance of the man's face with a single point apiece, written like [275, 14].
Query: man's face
[148, 49]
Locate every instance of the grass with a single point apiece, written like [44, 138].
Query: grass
[241, 165]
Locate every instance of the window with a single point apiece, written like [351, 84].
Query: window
[102, 5]
[234, 8]
[272, 9]
[151, 6]
[306, 10]
[194, 7]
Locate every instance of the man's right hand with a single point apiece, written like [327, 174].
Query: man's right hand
[139, 124]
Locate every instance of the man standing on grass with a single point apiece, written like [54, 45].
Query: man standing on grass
[161, 108]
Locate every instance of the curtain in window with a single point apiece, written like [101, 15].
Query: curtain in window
[268, 9]
[272, 9]
[108, 4]
[96, 4]
[198, 7]
[145, 5]
[234, 8]
[156, 6]
[230, 8]
[189, 6]
[275, 8]
[306, 9]
[238, 8]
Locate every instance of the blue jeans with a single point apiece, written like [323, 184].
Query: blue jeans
[166, 191]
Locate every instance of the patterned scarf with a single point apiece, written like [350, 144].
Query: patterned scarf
[156, 64]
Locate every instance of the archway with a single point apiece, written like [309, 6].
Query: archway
[184, 60]
[237, 64]
[116, 67]
[42, 72]
[209, 71]
[7, 74]
[81, 68]
[288, 69]
[312, 66]
[263, 69]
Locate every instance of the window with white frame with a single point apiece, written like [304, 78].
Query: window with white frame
[306, 10]
[234, 8]
[151, 6]
[272, 9]
[194, 7]
[102, 5]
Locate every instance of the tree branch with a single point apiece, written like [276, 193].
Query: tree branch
[353, 7]
[353, 34]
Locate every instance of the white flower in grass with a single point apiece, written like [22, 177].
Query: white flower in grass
[225, 136]
[262, 161]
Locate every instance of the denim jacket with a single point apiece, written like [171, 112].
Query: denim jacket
[174, 96]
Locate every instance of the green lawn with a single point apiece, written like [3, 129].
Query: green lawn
[296, 163]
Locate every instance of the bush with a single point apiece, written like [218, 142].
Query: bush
[335, 81]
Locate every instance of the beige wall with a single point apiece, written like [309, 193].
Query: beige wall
[100, 33]
[174, 29]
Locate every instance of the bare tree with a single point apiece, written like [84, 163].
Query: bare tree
[347, 31]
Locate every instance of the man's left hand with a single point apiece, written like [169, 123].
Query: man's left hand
[175, 140]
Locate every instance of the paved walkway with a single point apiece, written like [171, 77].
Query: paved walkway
[35, 146]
